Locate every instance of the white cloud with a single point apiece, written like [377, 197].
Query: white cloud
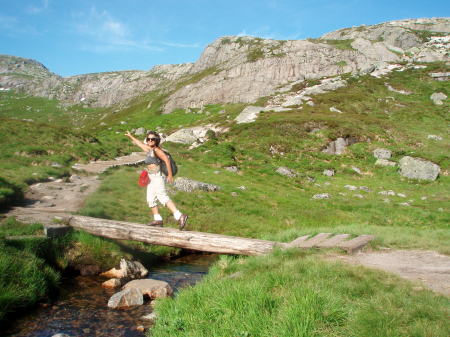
[105, 33]
[181, 45]
[38, 9]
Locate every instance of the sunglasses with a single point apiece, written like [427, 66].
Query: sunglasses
[152, 139]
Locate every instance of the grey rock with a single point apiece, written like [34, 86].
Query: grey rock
[438, 98]
[389, 192]
[385, 162]
[233, 169]
[57, 165]
[189, 185]
[328, 173]
[382, 153]
[404, 204]
[357, 170]
[152, 288]
[351, 187]
[183, 136]
[401, 195]
[284, 171]
[242, 188]
[418, 168]
[333, 109]
[126, 298]
[310, 103]
[140, 131]
[365, 189]
[338, 146]
[434, 137]
[112, 283]
[321, 196]
[360, 196]
[61, 335]
[127, 270]
[249, 114]
[234, 194]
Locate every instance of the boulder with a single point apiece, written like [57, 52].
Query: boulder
[183, 136]
[126, 298]
[233, 169]
[321, 196]
[438, 98]
[112, 283]
[140, 131]
[434, 137]
[382, 153]
[284, 171]
[249, 114]
[128, 269]
[338, 146]
[328, 173]
[418, 168]
[189, 185]
[151, 288]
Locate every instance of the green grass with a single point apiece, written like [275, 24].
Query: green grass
[31, 267]
[299, 294]
[272, 204]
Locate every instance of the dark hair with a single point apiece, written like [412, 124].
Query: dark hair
[157, 136]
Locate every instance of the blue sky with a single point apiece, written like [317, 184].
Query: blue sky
[77, 36]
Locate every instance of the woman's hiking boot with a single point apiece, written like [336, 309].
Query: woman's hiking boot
[182, 221]
[156, 223]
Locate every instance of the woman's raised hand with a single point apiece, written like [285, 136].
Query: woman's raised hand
[128, 134]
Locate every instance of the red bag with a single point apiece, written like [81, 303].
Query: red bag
[144, 179]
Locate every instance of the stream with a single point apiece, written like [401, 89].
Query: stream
[81, 309]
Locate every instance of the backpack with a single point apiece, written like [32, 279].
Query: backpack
[173, 165]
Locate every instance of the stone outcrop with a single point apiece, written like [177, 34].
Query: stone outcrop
[152, 288]
[126, 298]
[382, 153]
[438, 98]
[196, 134]
[242, 69]
[285, 171]
[339, 145]
[127, 270]
[189, 185]
[418, 168]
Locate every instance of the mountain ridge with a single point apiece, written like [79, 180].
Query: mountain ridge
[241, 68]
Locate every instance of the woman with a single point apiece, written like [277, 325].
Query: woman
[156, 189]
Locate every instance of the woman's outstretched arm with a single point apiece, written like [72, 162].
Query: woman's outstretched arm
[137, 142]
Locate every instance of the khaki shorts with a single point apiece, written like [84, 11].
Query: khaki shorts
[156, 190]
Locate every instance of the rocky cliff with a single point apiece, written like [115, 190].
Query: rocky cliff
[242, 69]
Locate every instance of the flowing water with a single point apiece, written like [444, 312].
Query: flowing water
[82, 307]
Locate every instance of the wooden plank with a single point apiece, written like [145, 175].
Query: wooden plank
[356, 244]
[333, 241]
[296, 242]
[313, 242]
[206, 242]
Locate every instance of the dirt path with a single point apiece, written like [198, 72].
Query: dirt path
[57, 198]
[429, 268]
[45, 201]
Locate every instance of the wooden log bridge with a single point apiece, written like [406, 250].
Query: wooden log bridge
[207, 242]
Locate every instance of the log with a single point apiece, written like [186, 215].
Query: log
[206, 242]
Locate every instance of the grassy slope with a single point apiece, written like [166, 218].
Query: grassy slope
[281, 208]
[304, 295]
[277, 207]
[298, 294]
